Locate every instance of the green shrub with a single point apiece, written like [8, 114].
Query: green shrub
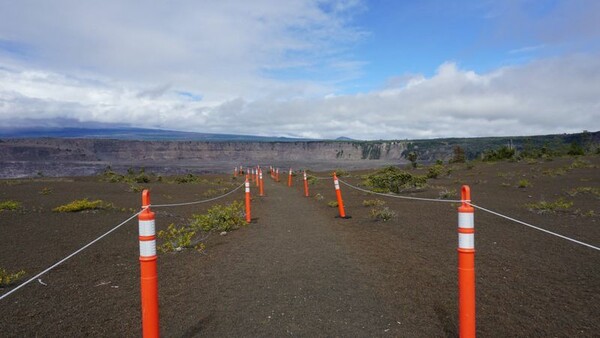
[502, 153]
[392, 179]
[435, 171]
[458, 155]
[8, 278]
[448, 193]
[177, 238]
[319, 197]
[10, 205]
[576, 149]
[524, 183]
[221, 217]
[332, 204]
[84, 204]
[189, 178]
[550, 207]
[312, 180]
[373, 203]
[382, 214]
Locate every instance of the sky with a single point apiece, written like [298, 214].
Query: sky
[304, 68]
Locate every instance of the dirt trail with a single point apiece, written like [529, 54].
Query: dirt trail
[293, 276]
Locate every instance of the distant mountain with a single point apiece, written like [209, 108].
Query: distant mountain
[344, 138]
[139, 134]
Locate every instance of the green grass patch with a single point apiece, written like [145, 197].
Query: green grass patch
[550, 207]
[10, 205]
[373, 203]
[221, 218]
[382, 214]
[332, 204]
[584, 190]
[523, 183]
[392, 179]
[84, 204]
[9, 278]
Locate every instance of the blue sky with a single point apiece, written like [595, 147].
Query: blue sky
[309, 68]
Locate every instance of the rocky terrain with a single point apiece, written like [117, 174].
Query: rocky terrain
[27, 157]
[64, 157]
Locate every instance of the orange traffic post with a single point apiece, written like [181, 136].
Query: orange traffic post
[305, 185]
[261, 185]
[277, 175]
[338, 194]
[466, 265]
[148, 270]
[248, 216]
[257, 177]
[235, 172]
[290, 178]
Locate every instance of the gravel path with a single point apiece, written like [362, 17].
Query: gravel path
[298, 278]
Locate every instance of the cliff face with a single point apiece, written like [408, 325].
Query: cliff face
[148, 151]
[27, 157]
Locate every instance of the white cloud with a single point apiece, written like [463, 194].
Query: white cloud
[220, 49]
[267, 68]
[548, 96]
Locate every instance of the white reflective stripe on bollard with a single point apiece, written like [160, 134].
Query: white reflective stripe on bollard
[466, 241]
[148, 248]
[337, 185]
[466, 220]
[147, 228]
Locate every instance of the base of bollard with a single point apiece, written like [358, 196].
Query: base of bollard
[345, 217]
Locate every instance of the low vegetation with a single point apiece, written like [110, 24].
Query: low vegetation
[220, 218]
[46, 191]
[177, 238]
[584, 190]
[448, 193]
[524, 183]
[84, 204]
[392, 179]
[373, 203]
[332, 204]
[131, 177]
[542, 207]
[382, 214]
[10, 205]
[9, 278]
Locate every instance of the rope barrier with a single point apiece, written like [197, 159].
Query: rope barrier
[480, 208]
[400, 196]
[69, 256]
[534, 227]
[196, 202]
[107, 233]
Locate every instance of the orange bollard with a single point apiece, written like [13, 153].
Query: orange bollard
[148, 270]
[248, 216]
[257, 177]
[290, 178]
[277, 175]
[338, 194]
[305, 185]
[261, 186]
[466, 266]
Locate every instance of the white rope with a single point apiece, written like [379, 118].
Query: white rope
[196, 202]
[400, 196]
[534, 227]
[480, 208]
[69, 256]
